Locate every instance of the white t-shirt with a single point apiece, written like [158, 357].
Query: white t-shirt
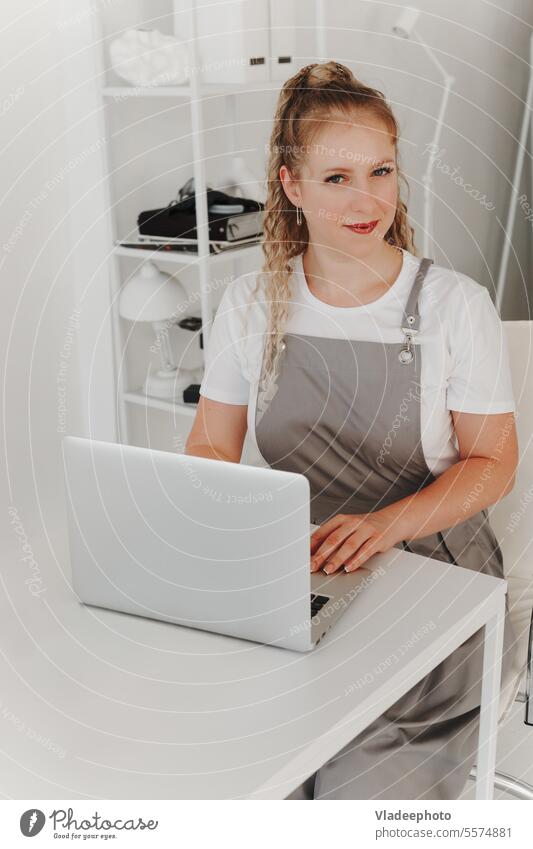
[465, 363]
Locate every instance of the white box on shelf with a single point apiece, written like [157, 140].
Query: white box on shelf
[233, 38]
[282, 39]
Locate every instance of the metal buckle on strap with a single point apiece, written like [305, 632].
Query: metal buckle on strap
[406, 354]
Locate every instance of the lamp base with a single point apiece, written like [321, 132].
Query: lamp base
[169, 385]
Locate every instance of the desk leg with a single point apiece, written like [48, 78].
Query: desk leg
[490, 703]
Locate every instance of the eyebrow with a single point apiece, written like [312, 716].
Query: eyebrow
[348, 168]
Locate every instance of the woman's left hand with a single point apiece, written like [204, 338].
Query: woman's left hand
[349, 540]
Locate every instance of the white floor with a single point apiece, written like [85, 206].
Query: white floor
[515, 751]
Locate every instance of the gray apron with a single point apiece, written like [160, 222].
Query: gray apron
[346, 414]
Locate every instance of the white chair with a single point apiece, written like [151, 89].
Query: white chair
[512, 520]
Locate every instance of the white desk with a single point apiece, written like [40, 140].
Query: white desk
[97, 704]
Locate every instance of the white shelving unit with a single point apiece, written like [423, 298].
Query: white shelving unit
[198, 96]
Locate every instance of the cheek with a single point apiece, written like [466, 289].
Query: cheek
[388, 198]
[321, 195]
[333, 198]
[325, 204]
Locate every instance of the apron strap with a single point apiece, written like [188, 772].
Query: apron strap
[411, 316]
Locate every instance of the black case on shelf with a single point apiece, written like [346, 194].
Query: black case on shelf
[178, 219]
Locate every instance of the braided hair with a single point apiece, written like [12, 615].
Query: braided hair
[307, 101]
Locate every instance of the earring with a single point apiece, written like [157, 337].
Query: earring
[299, 218]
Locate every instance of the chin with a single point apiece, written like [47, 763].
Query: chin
[361, 245]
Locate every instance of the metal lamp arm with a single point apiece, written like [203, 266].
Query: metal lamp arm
[528, 716]
[430, 52]
[427, 179]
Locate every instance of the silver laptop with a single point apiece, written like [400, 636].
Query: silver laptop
[201, 543]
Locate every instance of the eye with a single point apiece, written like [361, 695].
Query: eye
[385, 169]
[332, 177]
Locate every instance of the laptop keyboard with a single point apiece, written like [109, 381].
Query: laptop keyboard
[317, 603]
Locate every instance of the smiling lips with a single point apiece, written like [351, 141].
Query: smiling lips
[365, 228]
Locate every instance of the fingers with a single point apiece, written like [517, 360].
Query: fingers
[321, 533]
[332, 556]
[364, 553]
[333, 540]
[345, 554]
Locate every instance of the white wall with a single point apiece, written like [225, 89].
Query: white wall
[54, 212]
[39, 292]
[486, 49]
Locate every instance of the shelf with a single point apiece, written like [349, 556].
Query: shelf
[122, 92]
[196, 96]
[143, 400]
[183, 258]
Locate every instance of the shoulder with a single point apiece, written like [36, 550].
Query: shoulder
[250, 288]
[454, 300]
[241, 319]
[245, 288]
[244, 295]
[460, 312]
[447, 283]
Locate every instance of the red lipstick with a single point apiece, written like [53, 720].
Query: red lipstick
[362, 228]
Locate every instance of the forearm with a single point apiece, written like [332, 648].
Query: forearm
[208, 451]
[461, 491]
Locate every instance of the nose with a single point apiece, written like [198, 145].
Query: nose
[361, 201]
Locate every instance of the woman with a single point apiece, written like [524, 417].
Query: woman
[383, 379]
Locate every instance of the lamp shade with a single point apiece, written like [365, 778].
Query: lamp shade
[152, 295]
[406, 22]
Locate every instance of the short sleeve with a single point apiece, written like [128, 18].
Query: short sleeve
[223, 377]
[480, 377]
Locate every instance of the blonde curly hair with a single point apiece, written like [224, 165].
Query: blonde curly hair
[306, 102]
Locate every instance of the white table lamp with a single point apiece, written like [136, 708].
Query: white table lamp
[154, 296]
[405, 27]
